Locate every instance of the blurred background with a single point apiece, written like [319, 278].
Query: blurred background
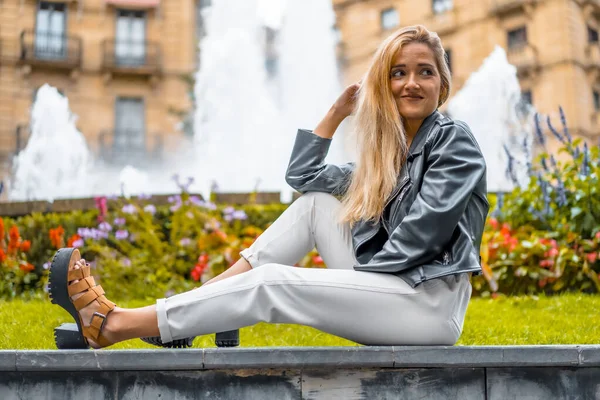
[139, 90]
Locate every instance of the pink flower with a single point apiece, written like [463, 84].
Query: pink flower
[592, 257]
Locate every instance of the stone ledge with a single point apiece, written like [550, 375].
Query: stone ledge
[301, 357]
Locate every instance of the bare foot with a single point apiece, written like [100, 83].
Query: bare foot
[88, 311]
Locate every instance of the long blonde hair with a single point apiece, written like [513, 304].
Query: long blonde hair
[381, 139]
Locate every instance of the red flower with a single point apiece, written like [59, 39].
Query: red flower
[203, 259]
[25, 246]
[592, 257]
[197, 271]
[2, 256]
[493, 223]
[1, 229]
[56, 237]
[546, 263]
[553, 252]
[597, 236]
[73, 239]
[317, 260]
[27, 267]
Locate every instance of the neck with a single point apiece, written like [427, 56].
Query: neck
[412, 127]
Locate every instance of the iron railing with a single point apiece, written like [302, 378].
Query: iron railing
[130, 56]
[51, 48]
[128, 146]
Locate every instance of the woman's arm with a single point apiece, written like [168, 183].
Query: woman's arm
[307, 171]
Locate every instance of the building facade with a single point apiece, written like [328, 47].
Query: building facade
[553, 43]
[125, 66]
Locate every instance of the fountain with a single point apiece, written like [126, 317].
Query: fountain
[56, 161]
[490, 103]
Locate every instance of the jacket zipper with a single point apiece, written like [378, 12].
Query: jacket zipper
[446, 258]
[400, 189]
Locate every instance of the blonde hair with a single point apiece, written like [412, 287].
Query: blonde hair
[381, 140]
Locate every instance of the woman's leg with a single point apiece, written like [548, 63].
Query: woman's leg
[311, 221]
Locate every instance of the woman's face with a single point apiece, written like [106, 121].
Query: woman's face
[416, 82]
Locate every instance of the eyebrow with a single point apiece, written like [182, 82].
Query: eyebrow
[419, 65]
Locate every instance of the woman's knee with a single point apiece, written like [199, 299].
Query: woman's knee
[321, 199]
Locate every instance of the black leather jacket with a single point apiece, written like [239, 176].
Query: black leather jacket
[433, 222]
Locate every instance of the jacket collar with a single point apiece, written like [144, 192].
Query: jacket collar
[416, 147]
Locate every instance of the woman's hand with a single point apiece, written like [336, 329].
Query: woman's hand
[343, 107]
[346, 103]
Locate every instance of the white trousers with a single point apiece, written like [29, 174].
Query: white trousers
[366, 307]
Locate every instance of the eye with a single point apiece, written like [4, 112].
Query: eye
[397, 73]
[427, 71]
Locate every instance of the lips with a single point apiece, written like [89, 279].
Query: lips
[413, 97]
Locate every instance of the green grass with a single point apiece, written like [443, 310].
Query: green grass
[565, 319]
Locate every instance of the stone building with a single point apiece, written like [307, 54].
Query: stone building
[553, 43]
[125, 66]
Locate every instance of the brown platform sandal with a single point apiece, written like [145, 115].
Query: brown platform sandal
[61, 292]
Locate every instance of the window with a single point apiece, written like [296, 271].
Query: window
[130, 42]
[596, 95]
[592, 35]
[50, 31]
[389, 18]
[129, 135]
[517, 38]
[449, 59]
[440, 6]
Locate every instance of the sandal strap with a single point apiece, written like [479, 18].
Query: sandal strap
[79, 273]
[94, 330]
[90, 295]
[81, 286]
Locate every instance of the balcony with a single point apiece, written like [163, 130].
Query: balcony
[131, 58]
[525, 58]
[125, 146]
[46, 49]
[445, 22]
[504, 7]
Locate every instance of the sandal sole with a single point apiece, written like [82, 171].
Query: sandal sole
[59, 295]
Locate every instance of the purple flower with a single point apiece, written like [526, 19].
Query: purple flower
[210, 206]
[239, 214]
[119, 221]
[228, 217]
[197, 201]
[78, 243]
[175, 207]
[46, 265]
[121, 234]
[126, 262]
[174, 199]
[105, 226]
[144, 196]
[228, 210]
[150, 208]
[129, 209]
[185, 242]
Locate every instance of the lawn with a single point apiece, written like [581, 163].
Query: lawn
[565, 319]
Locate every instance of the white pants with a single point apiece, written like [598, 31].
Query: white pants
[366, 307]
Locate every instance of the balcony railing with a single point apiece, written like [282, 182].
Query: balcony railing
[500, 7]
[50, 49]
[127, 57]
[445, 22]
[128, 146]
[525, 58]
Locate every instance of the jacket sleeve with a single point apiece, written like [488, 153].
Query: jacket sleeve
[455, 165]
[307, 171]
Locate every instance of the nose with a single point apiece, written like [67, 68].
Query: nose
[411, 83]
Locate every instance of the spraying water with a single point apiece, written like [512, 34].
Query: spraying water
[56, 160]
[489, 103]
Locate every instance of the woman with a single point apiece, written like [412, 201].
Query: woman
[400, 246]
